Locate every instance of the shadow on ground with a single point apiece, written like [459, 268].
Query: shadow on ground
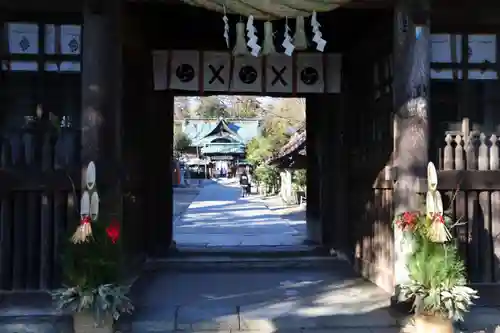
[269, 300]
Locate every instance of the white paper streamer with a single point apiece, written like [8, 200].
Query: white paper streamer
[287, 42]
[320, 42]
[226, 27]
[240, 48]
[300, 39]
[252, 37]
[268, 45]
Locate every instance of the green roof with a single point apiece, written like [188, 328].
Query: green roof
[204, 131]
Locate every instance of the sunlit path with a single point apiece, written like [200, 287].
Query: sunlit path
[220, 217]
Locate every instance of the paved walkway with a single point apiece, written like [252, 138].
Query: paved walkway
[332, 300]
[219, 217]
[262, 301]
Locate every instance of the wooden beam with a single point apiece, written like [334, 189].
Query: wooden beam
[101, 99]
[411, 87]
[411, 106]
[467, 180]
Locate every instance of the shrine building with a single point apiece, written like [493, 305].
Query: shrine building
[220, 139]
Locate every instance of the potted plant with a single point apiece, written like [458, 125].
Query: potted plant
[437, 283]
[91, 269]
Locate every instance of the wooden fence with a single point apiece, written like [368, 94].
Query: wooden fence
[469, 173]
[36, 203]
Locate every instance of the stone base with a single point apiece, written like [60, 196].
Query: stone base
[36, 324]
[83, 322]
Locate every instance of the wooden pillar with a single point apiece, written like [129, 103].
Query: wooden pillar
[411, 124]
[325, 121]
[339, 190]
[159, 172]
[101, 100]
[313, 176]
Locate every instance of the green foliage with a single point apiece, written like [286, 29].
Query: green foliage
[181, 143]
[211, 107]
[299, 179]
[91, 273]
[91, 263]
[100, 301]
[438, 283]
[245, 107]
[268, 176]
[259, 149]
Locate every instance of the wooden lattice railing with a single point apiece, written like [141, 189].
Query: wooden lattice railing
[36, 204]
[470, 176]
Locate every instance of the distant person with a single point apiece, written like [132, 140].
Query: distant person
[249, 175]
[244, 183]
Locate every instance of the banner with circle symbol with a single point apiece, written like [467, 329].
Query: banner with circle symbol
[247, 74]
[184, 70]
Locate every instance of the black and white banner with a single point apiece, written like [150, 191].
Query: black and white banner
[184, 70]
[309, 73]
[279, 73]
[247, 74]
[216, 71]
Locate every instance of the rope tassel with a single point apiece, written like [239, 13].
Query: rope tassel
[83, 231]
[268, 45]
[240, 49]
[300, 39]
[438, 231]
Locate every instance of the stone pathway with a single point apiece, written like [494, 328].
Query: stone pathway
[266, 301]
[273, 301]
[219, 217]
[182, 198]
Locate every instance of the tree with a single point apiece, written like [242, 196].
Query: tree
[211, 107]
[181, 143]
[246, 107]
[281, 119]
[259, 149]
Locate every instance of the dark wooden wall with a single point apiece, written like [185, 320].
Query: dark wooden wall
[148, 196]
[464, 131]
[350, 190]
[369, 146]
[40, 161]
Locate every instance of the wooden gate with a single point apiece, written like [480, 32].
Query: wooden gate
[39, 141]
[470, 175]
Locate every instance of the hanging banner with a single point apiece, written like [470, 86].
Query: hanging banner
[247, 74]
[482, 48]
[446, 48]
[23, 38]
[333, 72]
[70, 39]
[216, 71]
[184, 70]
[279, 73]
[160, 60]
[309, 73]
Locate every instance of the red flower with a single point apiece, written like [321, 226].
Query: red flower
[113, 231]
[85, 220]
[408, 221]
